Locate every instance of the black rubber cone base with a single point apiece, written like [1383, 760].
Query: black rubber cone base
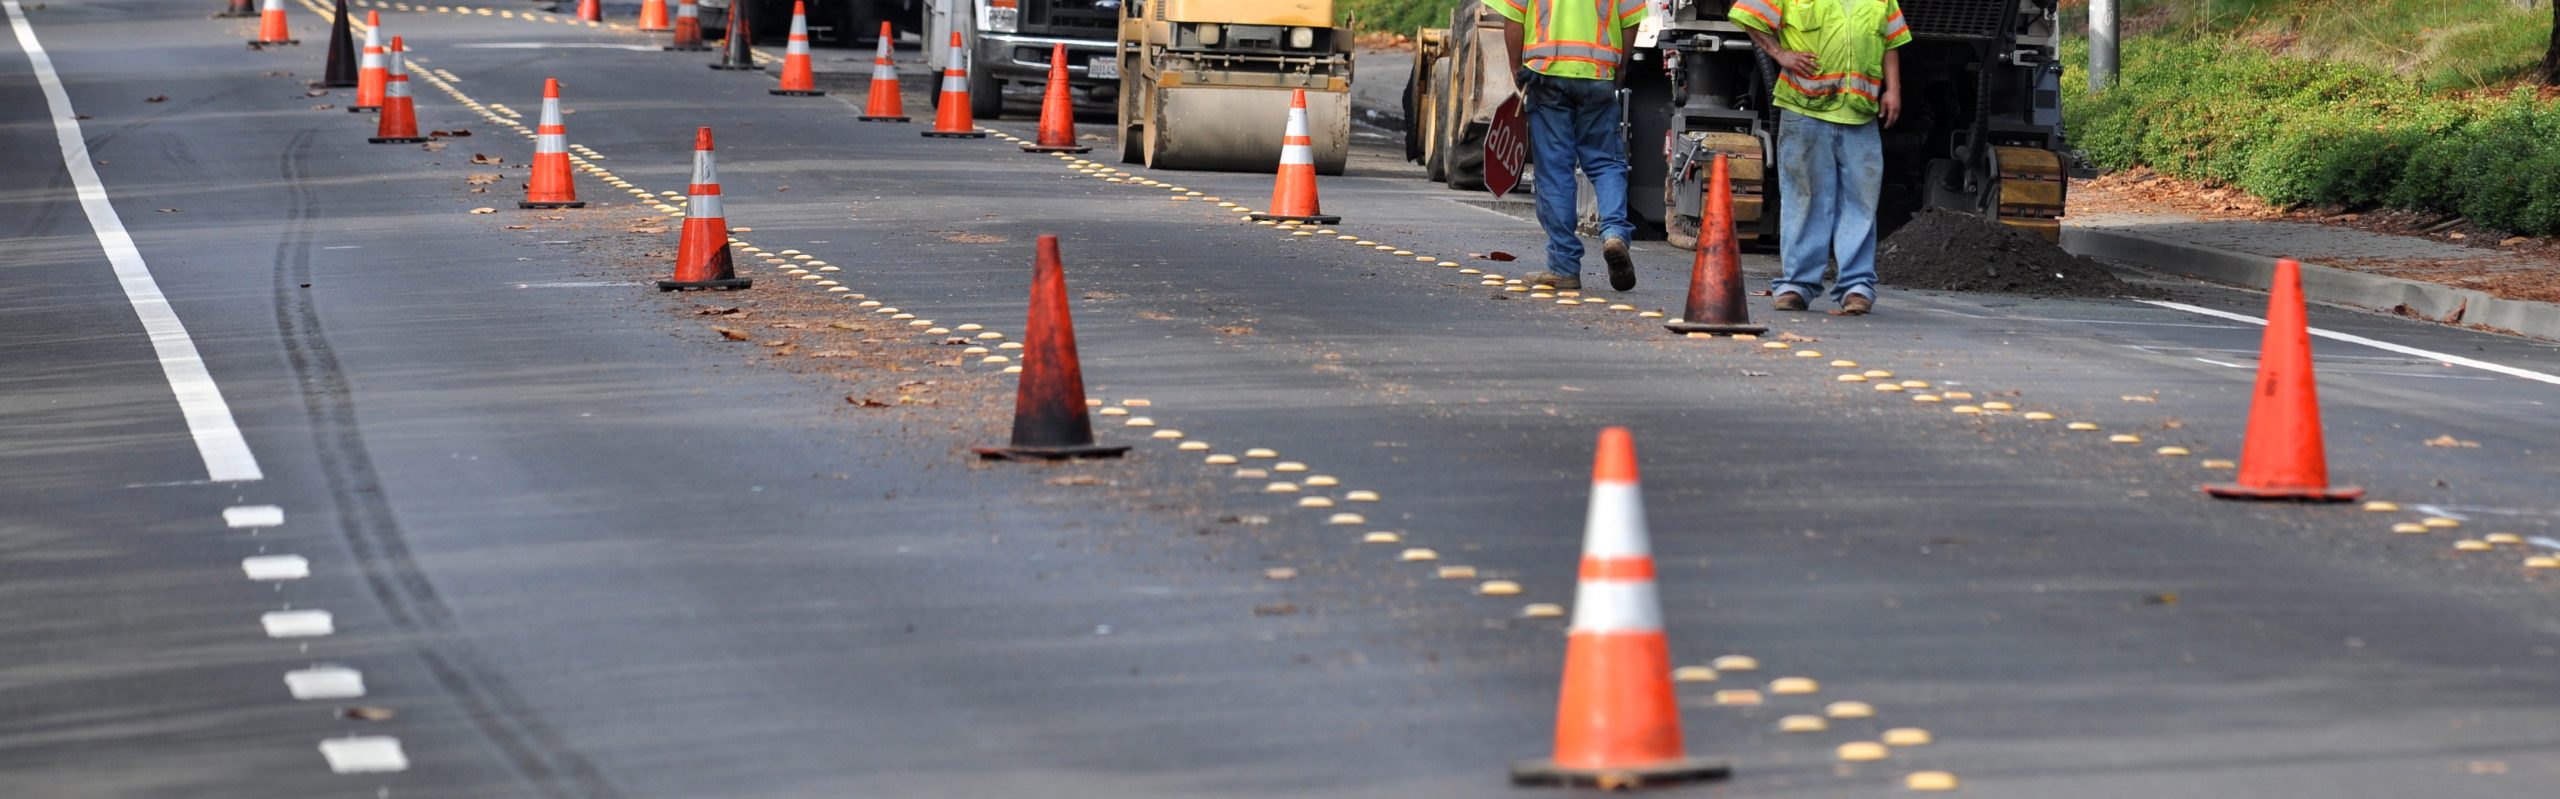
[1744, 329]
[700, 48]
[796, 92]
[571, 204]
[887, 119]
[739, 67]
[322, 84]
[253, 43]
[1303, 220]
[364, 109]
[396, 139]
[728, 284]
[1657, 775]
[2302, 494]
[936, 134]
[1034, 148]
[229, 15]
[1049, 453]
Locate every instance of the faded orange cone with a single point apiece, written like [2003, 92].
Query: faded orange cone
[1617, 724]
[1049, 421]
[271, 27]
[550, 186]
[888, 101]
[1715, 278]
[590, 10]
[951, 116]
[1057, 110]
[688, 33]
[1293, 192]
[797, 79]
[371, 73]
[702, 250]
[2284, 457]
[399, 121]
[653, 15]
[738, 49]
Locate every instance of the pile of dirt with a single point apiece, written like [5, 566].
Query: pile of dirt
[1945, 251]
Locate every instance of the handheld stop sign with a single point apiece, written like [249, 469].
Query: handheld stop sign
[1506, 148]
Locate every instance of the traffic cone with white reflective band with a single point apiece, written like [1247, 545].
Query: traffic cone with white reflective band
[1049, 421]
[1057, 110]
[399, 121]
[797, 79]
[371, 73]
[1617, 722]
[702, 250]
[340, 72]
[239, 9]
[1715, 304]
[271, 28]
[888, 100]
[590, 10]
[738, 49]
[688, 31]
[550, 186]
[2284, 457]
[1293, 192]
[653, 15]
[951, 116]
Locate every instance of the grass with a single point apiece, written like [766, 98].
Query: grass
[1395, 16]
[2443, 45]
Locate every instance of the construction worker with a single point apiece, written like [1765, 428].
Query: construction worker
[1839, 73]
[1574, 52]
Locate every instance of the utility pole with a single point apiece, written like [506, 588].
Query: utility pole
[2103, 45]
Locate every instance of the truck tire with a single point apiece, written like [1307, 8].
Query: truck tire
[1429, 122]
[986, 95]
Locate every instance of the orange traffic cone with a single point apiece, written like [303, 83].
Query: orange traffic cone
[688, 35]
[1049, 421]
[590, 10]
[1057, 111]
[1715, 278]
[550, 186]
[797, 80]
[271, 27]
[653, 15]
[951, 117]
[738, 49]
[371, 73]
[702, 251]
[2284, 457]
[399, 122]
[1293, 193]
[239, 8]
[1617, 725]
[340, 71]
[888, 100]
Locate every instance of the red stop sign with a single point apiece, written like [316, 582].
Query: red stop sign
[1506, 148]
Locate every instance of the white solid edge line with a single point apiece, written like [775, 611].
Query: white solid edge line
[226, 455]
[2385, 346]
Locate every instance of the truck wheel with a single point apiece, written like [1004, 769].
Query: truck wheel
[1132, 148]
[986, 95]
[1431, 123]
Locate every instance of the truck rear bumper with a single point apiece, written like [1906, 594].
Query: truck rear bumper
[1019, 57]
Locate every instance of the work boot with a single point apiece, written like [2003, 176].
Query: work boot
[1788, 301]
[1622, 266]
[1552, 280]
[1856, 305]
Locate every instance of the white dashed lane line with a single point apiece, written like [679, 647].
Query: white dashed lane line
[273, 568]
[252, 516]
[325, 682]
[364, 754]
[298, 623]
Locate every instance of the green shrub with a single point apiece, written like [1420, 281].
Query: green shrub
[1395, 16]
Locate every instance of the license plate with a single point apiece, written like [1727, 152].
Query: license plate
[1103, 67]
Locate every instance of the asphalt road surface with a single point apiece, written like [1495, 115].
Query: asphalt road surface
[572, 541]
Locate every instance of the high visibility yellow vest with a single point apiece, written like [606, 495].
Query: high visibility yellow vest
[1848, 38]
[1573, 38]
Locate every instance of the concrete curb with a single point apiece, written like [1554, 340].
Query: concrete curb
[2321, 284]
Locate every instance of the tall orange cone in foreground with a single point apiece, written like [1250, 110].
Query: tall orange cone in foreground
[590, 10]
[1293, 193]
[738, 49]
[688, 35]
[1057, 110]
[797, 79]
[2284, 457]
[888, 101]
[550, 186]
[399, 121]
[1715, 278]
[951, 116]
[653, 15]
[271, 27]
[371, 72]
[702, 250]
[1049, 421]
[1617, 725]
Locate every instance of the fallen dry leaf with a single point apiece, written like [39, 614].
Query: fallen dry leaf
[157, 98]
[481, 158]
[484, 210]
[1498, 255]
[448, 134]
[731, 334]
[720, 311]
[432, 146]
[316, 93]
[2450, 442]
[865, 402]
[1796, 337]
[519, 227]
[480, 179]
[168, 210]
[1076, 480]
[324, 106]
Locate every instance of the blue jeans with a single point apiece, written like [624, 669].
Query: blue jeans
[1829, 176]
[1574, 122]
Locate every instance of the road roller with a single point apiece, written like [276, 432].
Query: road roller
[1205, 84]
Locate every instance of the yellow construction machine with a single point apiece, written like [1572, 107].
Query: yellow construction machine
[1205, 83]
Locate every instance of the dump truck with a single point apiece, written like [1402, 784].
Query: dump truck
[1981, 128]
[1206, 83]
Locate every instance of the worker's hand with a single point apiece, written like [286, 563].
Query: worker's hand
[1892, 102]
[1799, 63]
